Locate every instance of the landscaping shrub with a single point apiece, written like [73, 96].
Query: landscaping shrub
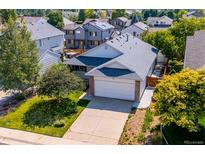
[59, 123]
[147, 120]
[141, 138]
[157, 138]
[175, 66]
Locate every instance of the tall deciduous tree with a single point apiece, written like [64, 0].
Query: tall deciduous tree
[18, 58]
[180, 98]
[165, 42]
[55, 18]
[58, 81]
[118, 13]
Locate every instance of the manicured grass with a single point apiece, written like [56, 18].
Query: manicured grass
[45, 116]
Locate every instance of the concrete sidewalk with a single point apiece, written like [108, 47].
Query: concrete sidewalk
[17, 137]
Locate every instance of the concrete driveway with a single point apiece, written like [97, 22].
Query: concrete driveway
[102, 122]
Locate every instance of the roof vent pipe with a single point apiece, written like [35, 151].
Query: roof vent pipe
[127, 38]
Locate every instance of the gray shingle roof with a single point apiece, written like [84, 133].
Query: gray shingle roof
[101, 25]
[48, 59]
[136, 55]
[71, 26]
[141, 25]
[40, 28]
[195, 51]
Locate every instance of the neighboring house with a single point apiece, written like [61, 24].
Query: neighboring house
[91, 34]
[49, 40]
[136, 29]
[193, 14]
[117, 68]
[74, 36]
[120, 23]
[195, 51]
[96, 33]
[163, 21]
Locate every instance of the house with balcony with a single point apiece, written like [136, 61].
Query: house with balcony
[74, 36]
[96, 33]
[88, 35]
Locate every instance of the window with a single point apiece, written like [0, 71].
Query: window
[78, 68]
[71, 41]
[91, 33]
[95, 34]
[96, 43]
[81, 42]
[134, 33]
[77, 32]
[82, 68]
[66, 32]
[91, 42]
[40, 43]
[71, 32]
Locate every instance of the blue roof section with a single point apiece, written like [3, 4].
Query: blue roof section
[92, 61]
[114, 72]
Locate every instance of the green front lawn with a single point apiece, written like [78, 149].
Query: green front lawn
[45, 116]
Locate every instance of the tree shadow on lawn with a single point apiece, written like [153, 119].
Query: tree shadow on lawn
[46, 112]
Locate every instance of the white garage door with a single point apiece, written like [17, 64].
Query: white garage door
[114, 88]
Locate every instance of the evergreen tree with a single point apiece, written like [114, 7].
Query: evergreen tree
[81, 15]
[18, 58]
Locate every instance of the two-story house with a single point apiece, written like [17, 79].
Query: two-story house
[120, 23]
[88, 35]
[96, 33]
[163, 21]
[74, 36]
[136, 29]
[49, 40]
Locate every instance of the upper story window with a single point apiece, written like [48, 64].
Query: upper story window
[40, 43]
[93, 34]
[66, 32]
[71, 32]
[77, 32]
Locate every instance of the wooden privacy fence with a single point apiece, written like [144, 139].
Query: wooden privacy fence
[152, 81]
